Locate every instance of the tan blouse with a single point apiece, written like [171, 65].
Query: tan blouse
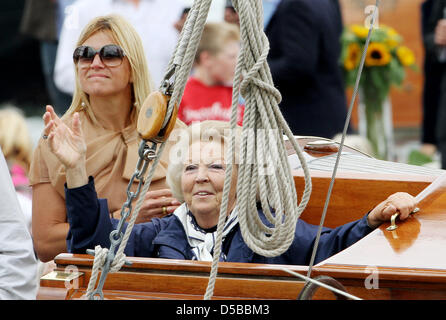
[111, 159]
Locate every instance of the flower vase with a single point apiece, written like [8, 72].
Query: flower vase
[375, 132]
[375, 124]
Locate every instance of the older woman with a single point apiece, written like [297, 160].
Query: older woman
[112, 82]
[197, 180]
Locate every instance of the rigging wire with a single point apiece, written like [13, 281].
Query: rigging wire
[344, 133]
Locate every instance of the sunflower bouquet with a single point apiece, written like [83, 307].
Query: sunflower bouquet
[386, 62]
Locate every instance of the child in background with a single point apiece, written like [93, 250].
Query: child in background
[208, 92]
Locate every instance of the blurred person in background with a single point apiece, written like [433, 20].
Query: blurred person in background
[304, 37]
[40, 21]
[434, 95]
[18, 265]
[304, 40]
[208, 92]
[230, 15]
[182, 19]
[17, 146]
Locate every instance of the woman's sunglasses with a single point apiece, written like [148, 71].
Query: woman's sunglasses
[111, 55]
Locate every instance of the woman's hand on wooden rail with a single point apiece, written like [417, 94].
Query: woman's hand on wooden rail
[400, 202]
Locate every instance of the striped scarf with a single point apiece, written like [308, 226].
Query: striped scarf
[203, 242]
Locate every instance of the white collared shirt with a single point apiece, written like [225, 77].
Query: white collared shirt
[152, 19]
[18, 265]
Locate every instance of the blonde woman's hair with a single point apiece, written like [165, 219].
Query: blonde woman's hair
[15, 139]
[129, 40]
[215, 36]
[206, 131]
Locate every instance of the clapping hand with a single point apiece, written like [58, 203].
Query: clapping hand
[66, 143]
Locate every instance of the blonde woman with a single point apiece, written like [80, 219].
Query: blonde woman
[112, 81]
[15, 139]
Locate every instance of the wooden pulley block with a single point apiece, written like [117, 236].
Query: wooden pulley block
[151, 118]
[322, 146]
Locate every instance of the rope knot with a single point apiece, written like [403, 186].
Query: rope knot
[256, 72]
[100, 257]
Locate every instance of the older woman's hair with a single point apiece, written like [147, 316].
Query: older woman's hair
[15, 140]
[215, 36]
[124, 35]
[206, 131]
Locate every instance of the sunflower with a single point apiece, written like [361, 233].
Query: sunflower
[391, 32]
[393, 37]
[359, 31]
[353, 56]
[377, 55]
[392, 42]
[405, 55]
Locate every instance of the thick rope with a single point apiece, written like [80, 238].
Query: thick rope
[261, 144]
[276, 187]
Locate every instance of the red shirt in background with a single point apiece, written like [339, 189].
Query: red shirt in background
[201, 102]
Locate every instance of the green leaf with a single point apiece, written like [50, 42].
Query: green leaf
[418, 158]
[376, 85]
[397, 72]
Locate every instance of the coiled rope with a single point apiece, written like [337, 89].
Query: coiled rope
[263, 166]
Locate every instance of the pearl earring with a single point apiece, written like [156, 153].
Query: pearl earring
[83, 105]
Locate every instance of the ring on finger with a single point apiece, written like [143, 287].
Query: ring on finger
[44, 136]
[164, 210]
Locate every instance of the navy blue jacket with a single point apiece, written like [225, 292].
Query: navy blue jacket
[91, 225]
[304, 37]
